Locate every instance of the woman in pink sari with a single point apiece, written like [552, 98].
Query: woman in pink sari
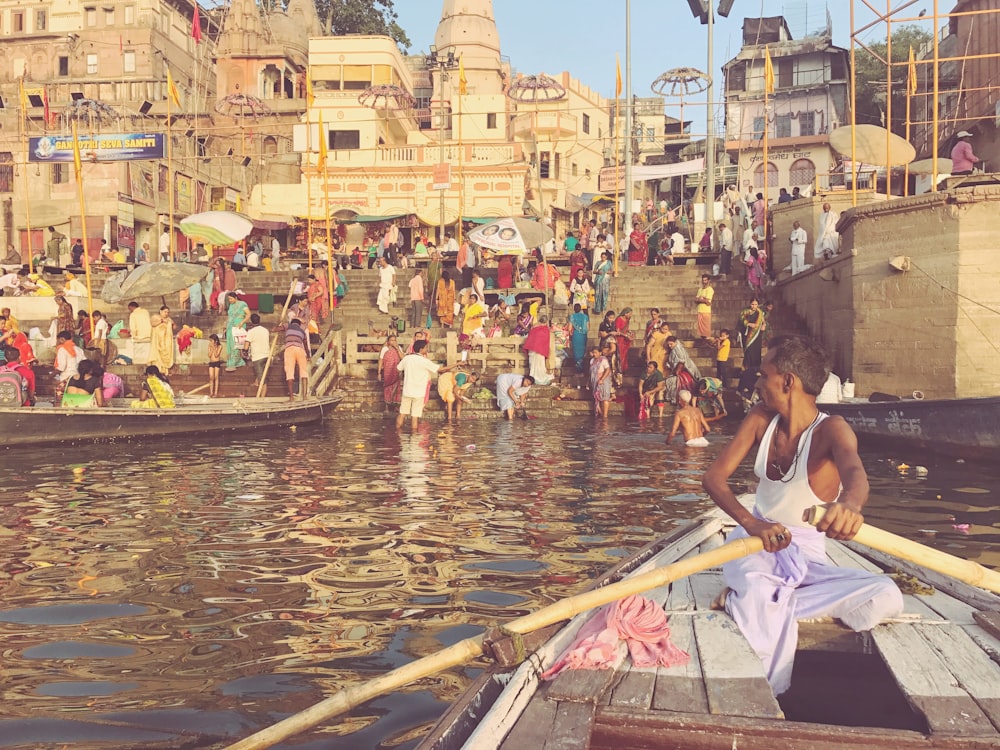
[392, 383]
[319, 298]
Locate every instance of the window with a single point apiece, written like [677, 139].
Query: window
[128, 61]
[201, 145]
[129, 15]
[91, 16]
[772, 175]
[786, 74]
[491, 120]
[758, 127]
[63, 65]
[807, 123]
[737, 78]
[586, 123]
[573, 169]
[60, 173]
[543, 165]
[41, 20]
[91, 65]
[801, 173]
[17, 21]
[344, 140]
[651, 135]
[109, 16]
[357, 77]
[782, 126]
[838, 68]
[6, 172]
[270, 146]
[556, 173]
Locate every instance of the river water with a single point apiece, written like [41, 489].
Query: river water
[187, 593]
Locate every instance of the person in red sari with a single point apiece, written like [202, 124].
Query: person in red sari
[545, 277]
[505, 272]
[624, 336]
[392, 383]
[319, 297]
[577, 261]
[638, 247]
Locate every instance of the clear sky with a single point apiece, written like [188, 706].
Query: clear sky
[549, 36]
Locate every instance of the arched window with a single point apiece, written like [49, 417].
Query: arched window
[270, 145]
[802, 173]
[772, 176]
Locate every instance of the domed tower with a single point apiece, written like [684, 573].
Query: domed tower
[469, 30]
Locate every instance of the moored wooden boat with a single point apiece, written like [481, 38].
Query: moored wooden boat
[930, 678]
[41, 425]
[963, 427]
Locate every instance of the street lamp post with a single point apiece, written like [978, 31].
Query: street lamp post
[443, 64]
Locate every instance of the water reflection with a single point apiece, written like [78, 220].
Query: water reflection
[170, 593]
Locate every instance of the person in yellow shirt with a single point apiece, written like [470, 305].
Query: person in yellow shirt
[722, 345]
[704, 297]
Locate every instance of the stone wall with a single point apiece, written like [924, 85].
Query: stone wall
[931, 328]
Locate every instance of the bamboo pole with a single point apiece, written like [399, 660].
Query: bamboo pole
[83, 225]
[966, 571]
[471, 648]
[23, 122]
[274, 343]
[170, 176]
[888, 100]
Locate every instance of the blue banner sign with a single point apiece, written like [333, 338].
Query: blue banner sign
[104, 147]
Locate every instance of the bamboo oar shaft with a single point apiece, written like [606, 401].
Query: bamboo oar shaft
[471, 648]
[940, 562]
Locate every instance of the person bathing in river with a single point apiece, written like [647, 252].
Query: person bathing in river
[691, 421]
[804, 458]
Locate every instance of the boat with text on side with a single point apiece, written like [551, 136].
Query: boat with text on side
[928, 678]
[41, 425]
[962, 427]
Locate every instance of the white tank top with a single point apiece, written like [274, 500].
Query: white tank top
[786, 499]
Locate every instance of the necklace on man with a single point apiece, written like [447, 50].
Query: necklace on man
[776, 463]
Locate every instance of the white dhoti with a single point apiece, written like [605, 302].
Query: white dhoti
[383, 299]
[537, 369]
[698, 442]
[798, 259]
[771, 592]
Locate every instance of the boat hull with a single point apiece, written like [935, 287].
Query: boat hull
[49, 425]
[963, 428]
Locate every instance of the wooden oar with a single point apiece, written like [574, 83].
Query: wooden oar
[471, 648]
[966, 571]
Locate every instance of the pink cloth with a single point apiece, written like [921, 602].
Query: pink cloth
[639, 621]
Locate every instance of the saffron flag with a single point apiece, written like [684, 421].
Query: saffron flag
[463, 84]
[322, 141]
[618, 77]
[309, 88]
[77, 167]
[768, 72]
[172, 93]
[196, 25]
[912, 73]
[45, 104]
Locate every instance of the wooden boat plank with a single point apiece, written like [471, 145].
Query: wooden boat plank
[927, 683]
[581, 685]
[616, 728]
[733, 674]
[972, 595]
[681, 597]
[571, 729]
[533, 727]
[681, 688]
[950, 608]
[706, 587]
[979, 677]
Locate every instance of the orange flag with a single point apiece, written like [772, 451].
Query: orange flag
[768, 72]
[618, 77]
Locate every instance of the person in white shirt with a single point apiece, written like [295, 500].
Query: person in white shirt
[417, 372]
[798, 238]
[253, 259]
[99, 340]
[676, 243]
[827, 236]
[450, 245]
[164, 246]
[386, 285]
[725, 248]
[258, 341]
[275, 253]
[749, 240]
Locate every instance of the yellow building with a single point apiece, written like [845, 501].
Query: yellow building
[396, 128]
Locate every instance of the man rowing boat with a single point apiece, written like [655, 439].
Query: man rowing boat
[804, 458]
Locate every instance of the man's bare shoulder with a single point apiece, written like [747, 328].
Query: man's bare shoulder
[758, 418]
[833, 429]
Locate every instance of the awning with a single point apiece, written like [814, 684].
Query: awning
[272, 223]
[479, 219]
[366, 219]
[665, 171]
[593, 198]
